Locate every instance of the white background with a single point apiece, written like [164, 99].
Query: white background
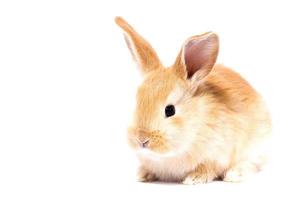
[67, 90]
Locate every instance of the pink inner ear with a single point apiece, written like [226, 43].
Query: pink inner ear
[196, 55]
[130, 47]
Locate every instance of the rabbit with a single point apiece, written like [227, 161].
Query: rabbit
[195, 121]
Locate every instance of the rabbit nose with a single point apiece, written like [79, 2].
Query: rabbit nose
[143, 143]
[143, 138]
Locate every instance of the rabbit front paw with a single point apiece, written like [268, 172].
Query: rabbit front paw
[199, 176]
[145, 176]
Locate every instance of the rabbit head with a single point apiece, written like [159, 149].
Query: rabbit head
[167, 117]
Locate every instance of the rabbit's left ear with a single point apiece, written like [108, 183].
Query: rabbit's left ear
[197, 57]
[141, 50]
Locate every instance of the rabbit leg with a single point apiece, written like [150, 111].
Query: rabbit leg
[202, 174]
[240, 171]
[144, 175]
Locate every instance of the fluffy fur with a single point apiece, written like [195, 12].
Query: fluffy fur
[219, 123]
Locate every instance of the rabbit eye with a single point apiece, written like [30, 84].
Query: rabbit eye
[169, 110]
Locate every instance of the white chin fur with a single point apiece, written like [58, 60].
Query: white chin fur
[146, 153]
[169, 166]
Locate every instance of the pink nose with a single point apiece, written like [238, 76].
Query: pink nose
[143, 143]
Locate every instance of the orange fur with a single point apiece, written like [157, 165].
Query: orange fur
[220, 119]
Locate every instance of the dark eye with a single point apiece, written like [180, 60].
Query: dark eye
[169, 110]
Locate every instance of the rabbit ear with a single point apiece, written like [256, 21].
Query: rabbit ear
[197, 57]
[141, 50]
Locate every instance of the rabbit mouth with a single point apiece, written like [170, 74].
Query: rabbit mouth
[150, 140]
[156, 144]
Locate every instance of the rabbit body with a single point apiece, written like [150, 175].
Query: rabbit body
[195, 121]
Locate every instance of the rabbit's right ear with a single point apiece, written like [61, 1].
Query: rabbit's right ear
[142, 52]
